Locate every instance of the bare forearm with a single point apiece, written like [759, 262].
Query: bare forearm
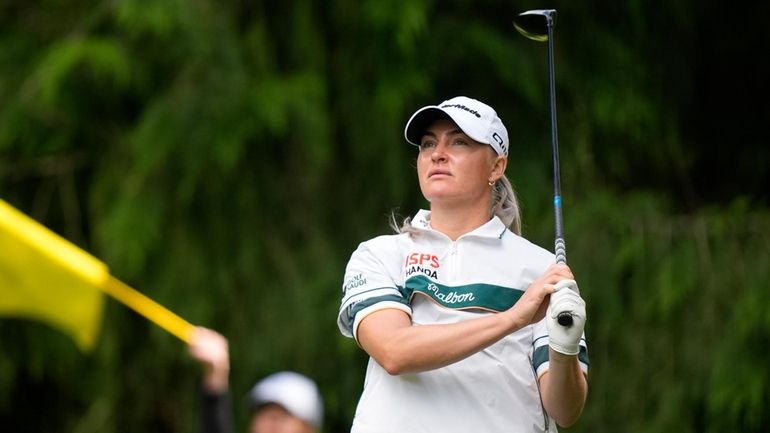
[564, 389]
[417, 348]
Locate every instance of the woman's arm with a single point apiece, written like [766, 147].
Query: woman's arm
[210, 348]
[389, 337]
[563, 388]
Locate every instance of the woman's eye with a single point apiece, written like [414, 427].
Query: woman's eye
[427, 144]
[461, 142]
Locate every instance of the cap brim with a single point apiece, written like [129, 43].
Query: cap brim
[421, 121]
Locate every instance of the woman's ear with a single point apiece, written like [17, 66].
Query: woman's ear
[498, 168]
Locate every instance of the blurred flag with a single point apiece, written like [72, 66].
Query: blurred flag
[46, 278]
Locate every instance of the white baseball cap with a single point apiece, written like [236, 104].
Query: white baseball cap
[294, 392]
[477, 120]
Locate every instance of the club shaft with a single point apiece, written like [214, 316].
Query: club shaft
[560, 246]
[560, 250]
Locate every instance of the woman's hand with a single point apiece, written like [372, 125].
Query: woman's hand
[210, 348]
[531, 307]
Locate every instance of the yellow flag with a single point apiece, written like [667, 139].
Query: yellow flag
[45, 277]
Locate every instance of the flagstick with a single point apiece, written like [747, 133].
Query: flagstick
[148, 308]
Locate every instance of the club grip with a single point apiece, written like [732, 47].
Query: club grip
[560, 250]
[564, 319]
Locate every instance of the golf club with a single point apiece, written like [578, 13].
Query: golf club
[537, 24]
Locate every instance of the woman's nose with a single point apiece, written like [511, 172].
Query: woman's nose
[439, 152]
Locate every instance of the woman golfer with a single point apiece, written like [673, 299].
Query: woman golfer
[457, 311]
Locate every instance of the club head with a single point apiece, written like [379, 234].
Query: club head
[533, 24]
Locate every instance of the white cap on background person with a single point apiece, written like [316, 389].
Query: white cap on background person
[294, 392]
[477, 120]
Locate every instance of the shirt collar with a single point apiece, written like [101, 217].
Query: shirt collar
[494, 228]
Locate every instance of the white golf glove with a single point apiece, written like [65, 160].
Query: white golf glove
[566, 299]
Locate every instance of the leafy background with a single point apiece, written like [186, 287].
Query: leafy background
[225, 157]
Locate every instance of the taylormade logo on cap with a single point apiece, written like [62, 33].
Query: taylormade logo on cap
[462, 107]
[477, 120]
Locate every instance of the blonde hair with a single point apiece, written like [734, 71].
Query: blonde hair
[503, 205]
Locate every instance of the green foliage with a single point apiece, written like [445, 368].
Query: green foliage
[668, 297]
[226, 158]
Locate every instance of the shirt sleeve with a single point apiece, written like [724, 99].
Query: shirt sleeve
[540, 349]
[369, 285]
[216, 413]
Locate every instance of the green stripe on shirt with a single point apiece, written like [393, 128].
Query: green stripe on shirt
[469, 296]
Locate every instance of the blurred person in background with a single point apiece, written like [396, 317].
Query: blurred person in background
[457, 311]
[284, 402]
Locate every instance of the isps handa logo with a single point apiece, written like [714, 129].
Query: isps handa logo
[426, 264]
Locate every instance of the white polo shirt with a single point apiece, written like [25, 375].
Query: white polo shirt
[437, 280]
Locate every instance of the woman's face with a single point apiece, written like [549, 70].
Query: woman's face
[454, 169]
